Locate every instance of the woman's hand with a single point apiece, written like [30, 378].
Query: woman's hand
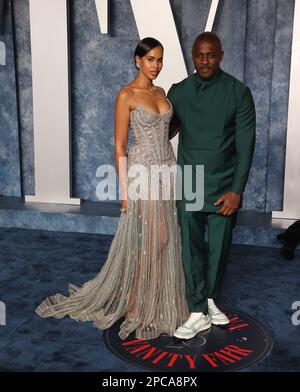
[124, 205]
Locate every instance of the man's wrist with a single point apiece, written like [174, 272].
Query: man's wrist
[235, 192]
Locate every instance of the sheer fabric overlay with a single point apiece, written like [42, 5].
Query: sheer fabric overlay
[142, 278]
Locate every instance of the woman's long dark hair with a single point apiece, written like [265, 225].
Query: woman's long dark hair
[145, 45]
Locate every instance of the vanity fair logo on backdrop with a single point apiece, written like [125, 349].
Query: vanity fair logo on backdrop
[51, 89]
[50, 83]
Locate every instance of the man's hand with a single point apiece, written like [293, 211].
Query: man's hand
[231, 201]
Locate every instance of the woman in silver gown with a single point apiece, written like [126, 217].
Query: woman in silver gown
[142, 279]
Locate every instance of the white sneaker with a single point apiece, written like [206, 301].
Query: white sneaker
[217, 317]
[196, 322]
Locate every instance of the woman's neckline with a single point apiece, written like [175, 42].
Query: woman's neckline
[151, 111]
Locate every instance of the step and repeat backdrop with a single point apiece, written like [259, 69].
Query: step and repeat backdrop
[100, 40]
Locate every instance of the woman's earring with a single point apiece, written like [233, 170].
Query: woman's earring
[138, 65]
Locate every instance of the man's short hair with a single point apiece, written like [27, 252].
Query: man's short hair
[207, 36]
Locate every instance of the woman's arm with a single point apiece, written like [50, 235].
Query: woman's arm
[175, 125]
[122, 113]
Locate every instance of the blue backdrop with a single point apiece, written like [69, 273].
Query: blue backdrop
[256, 36]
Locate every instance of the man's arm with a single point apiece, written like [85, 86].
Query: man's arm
[174, 125]
[244, 141]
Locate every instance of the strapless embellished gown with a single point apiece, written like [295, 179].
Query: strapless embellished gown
[142, 279]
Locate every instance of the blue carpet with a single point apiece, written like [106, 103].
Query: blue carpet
[35, 264]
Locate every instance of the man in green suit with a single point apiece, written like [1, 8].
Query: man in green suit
[215, 115]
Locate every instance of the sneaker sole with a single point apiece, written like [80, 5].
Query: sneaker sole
[194, 333]
[220, 322]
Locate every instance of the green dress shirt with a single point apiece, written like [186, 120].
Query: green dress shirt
[217, 130]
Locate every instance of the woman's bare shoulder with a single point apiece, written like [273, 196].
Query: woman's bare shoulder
[125, 95]
[125, 92]
[160, 90]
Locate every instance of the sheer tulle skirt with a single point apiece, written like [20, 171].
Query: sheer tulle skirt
[142, 278]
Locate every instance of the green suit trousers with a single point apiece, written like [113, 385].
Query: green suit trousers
[204, 275]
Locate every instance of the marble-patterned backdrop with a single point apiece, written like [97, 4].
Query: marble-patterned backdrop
[10, 165]
[256, 36]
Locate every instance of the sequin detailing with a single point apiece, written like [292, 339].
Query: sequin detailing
[142, 279]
